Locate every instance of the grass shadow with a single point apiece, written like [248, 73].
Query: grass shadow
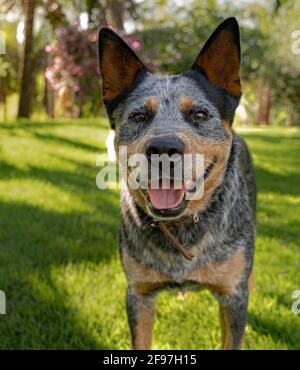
[279, 331]
[39, 238]
[268, 181]
[33, 241]
[29, 124]
[74, 143]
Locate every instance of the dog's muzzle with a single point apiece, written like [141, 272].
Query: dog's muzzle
[165, 199]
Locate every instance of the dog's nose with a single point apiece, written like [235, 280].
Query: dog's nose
[167, 145]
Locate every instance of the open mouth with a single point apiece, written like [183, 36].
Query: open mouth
[167, 201]
[173, 201]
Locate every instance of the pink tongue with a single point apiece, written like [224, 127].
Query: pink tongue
[165, 198]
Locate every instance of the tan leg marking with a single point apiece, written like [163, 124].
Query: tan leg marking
[222, 277]
[142, 279]
[252, 281]
[227, 337]
[144, 328]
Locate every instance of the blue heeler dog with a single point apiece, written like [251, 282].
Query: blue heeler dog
[167, 240]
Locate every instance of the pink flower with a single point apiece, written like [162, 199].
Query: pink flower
[48, 73]
[136, 44]
[48, 49]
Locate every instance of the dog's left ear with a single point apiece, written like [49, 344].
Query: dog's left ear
[219, 59]
[119, 65]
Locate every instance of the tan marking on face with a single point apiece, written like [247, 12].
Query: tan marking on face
[228, 128]
[139, 198]
[221, 277]
[218, 151]
[185, 103]
[144, 327]
[142, 279]
[138, 147]
[193, 145]
[152, 104]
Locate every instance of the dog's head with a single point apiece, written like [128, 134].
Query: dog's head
[175, 115]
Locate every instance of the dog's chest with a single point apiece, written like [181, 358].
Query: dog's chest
[221, 276]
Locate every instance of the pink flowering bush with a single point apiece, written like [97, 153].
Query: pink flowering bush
[72, 72]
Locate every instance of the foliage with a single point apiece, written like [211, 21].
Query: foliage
[284, 66]
[177, 33]
[172, 36]
[8, 61]
[73, 73]
[167, 34]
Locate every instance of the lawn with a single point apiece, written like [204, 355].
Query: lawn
[59, 263]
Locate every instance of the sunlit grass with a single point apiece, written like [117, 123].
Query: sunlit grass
[59, 262]
[11, 107]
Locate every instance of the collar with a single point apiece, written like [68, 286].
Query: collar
[163, 225]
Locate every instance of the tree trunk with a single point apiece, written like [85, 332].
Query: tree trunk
[3, 102]
[48, 99]
[4, 108]
[117, 14]
[264, 105]
[102, 18]
[26, 61]
[290, 119]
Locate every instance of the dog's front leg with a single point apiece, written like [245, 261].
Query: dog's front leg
[233, 319]
[140, 313]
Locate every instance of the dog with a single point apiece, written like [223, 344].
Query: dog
[167, 241]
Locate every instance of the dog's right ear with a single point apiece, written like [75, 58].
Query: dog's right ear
[119, 65]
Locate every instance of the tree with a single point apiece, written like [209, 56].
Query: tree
[263, 54]
[27, 61]
[111, 13]
[264, 104]
[8, 65]
[285, 62]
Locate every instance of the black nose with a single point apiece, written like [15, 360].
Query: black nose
[167, 145]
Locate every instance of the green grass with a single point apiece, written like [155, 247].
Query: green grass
[59, 263]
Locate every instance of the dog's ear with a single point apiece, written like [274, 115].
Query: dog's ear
[119, 65]
[219, 59]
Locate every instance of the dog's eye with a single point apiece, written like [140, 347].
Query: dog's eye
[198, 116]
[138, 117]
